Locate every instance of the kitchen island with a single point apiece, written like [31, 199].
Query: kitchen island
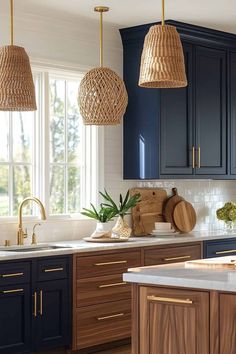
[180, 310]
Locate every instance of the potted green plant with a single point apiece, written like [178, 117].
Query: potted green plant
[227, 214]
[121, 228]
[103, 216]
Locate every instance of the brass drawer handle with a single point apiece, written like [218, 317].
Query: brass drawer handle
[176, 258]
[12, 291]
[193, 157]
[110, 263]
[41, 302]
[169, 299]
[12, 275]
[109, 317]
[111, 285]
[53, 270]
[225, 252]
[35, 304]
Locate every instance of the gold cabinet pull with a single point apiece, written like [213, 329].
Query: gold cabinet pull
[111, 285]
[12, 275]
[176, 258]
[53, 270]
[110, 263]
[199, 157]
[110, 316]
[12, 291]
[193, 157]
[169, 299]
[225, 252]
[35, 304]
[41, 302]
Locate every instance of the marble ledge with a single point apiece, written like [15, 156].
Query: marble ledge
[177, 275]
[80, 246]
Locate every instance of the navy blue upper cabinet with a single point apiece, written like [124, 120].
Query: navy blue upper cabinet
[182, 133]
[210, 111]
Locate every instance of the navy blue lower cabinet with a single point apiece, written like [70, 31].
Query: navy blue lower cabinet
[219, 248]
[15, 319]
[52, 324]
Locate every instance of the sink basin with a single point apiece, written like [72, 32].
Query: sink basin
[34, 249]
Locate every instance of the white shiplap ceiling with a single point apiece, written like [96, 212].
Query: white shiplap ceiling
[218, 14]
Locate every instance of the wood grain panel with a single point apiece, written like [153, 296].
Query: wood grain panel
[106, 264]
[169, 327]
[172, 254]
[103, 323]
[97, 290]
[227, 324]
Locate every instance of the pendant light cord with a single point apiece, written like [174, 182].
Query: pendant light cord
[163, 13]
[12, 22]
[101, 39]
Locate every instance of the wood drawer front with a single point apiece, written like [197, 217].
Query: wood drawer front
[172, 254]
[99, 290]
[103, 323]
[52, 269]
[14, 273]
[107, 264]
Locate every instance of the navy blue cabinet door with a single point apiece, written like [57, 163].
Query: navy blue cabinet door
[232, 111]
[15, 319]
[53, 321]
[177, 125]
[210, 109]
[141, 125]
[219, 248]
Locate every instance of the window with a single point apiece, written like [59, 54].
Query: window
[48, 153]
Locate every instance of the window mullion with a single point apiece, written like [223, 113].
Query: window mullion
[10, 179]
[66, 153]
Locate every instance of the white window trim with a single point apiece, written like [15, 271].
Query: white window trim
[95, 179]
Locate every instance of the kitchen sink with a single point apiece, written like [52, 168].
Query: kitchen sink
[35, 249]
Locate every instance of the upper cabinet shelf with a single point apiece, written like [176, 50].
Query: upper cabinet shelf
[186, 132]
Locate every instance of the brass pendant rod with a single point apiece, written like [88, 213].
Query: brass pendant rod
[101, 39]
[101, 9]
[163, 13]
[12, 22]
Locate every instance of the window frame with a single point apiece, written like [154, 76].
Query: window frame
[92, 139]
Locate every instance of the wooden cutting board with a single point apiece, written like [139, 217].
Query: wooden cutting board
[228, 262]
[170, 205]
[184, 216]
[148, 211]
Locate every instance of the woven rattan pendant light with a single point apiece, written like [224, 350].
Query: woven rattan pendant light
[102, 94]
[17, 92]
[162, 61]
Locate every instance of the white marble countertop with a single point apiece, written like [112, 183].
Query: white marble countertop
[80, 246]
[178, 275]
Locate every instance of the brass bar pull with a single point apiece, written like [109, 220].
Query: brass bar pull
[169, 299]
[53, 270]
[225, 252]
[12, 291]
[110, 263]
[199, 157]
[35, 304]
[111, 285]
[193, 157]
[111, 316]
[12, 275]
[176, 258]
[41, 303]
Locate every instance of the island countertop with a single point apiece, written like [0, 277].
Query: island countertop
[178, 275]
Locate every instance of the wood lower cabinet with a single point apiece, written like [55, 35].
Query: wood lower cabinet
[173, 321]
[227, 323]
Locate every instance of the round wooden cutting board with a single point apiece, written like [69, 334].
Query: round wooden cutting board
[184, 216]
[170, 205]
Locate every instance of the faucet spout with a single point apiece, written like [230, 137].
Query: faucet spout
[21, 234]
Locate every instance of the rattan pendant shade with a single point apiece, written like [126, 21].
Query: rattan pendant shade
[102, 94]
[17, 91]
[162, 61]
